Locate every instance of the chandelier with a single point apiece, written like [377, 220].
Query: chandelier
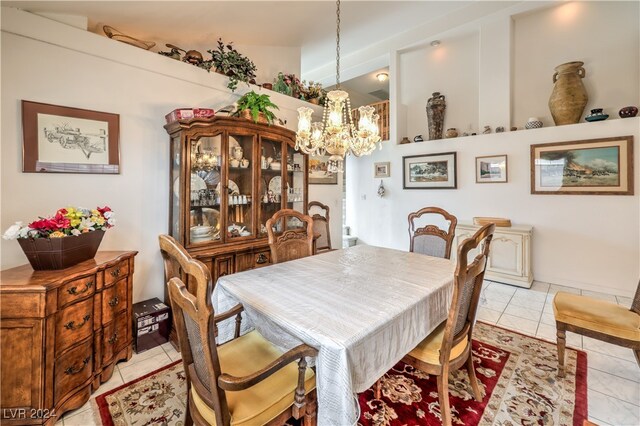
[336, 135]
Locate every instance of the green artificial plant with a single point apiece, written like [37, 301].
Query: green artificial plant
[257, 104]
[227, 60]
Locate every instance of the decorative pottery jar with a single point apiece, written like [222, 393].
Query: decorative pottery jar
[418, 139]
[628, 112]
[436, 106]
[451, 133]
[533, 123]
[596, 115]
[569, 96]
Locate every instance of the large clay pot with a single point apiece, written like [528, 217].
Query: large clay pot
[435, 115]
[569, 96]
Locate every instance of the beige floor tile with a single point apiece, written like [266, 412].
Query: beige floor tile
[540, 287]
[612, 365]
[84, 418]
[522, 312]
[521, 325]
[548, 332]
[617, 387]
[488, 315]
[522, 300]
[612, 410]
[608, 349]
[131, 372]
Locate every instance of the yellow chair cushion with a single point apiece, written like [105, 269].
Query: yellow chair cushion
[264, 401]
[596, 315]
[428, 350]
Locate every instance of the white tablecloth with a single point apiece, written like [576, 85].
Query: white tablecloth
[363, 308]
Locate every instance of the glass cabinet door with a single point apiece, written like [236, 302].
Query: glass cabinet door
[204, 189]
[295, 167]
[270, 182]
[176, 163]
[240, 195]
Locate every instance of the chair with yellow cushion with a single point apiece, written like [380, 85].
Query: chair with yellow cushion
[597, 319]
[244, 382]
[448, 347]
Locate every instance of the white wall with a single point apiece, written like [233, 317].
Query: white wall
[452, 70]
[589, 242]
[603, 35]
[49, 62]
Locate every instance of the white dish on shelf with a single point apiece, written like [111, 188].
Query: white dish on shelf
[275, 185]
[233, 188]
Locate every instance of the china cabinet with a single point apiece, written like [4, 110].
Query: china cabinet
[510, 255]
[228, 176]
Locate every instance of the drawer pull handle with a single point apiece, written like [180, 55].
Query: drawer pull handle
[261, 259]
[115, 272]
[71, 325]
[73, 370]
[113, 339]
[113, 302]
[74, 290]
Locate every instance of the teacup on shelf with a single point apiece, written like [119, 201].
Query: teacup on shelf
[234, 162]
[244, 163]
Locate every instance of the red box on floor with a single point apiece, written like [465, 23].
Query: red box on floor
[151, 324]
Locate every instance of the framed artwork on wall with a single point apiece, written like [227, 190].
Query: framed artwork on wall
[318, 171]
[58, 139]
[431, 171]
[382, 170]
[584, 167]
[491, 169]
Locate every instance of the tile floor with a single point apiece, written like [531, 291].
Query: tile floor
[613, 375]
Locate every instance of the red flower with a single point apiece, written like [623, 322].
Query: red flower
[104, 209]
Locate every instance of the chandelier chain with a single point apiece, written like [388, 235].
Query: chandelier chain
[337, 44]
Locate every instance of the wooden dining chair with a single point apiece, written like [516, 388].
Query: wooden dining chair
[597, 319]
[321, 226]
[448, 347]
[246, 381]
[290, 235]
[430, 239]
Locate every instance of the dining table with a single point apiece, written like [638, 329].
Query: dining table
[363, 308]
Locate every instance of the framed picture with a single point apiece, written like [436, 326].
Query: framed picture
[318, 173]
[432, 171]
[58, 139]
[491, 169]
[586, 167]
[382, 170]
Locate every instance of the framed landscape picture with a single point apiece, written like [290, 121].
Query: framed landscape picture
[491, 169]
[431, 171]
[586, 167]
[318, 174]
[382, 170]
[58, 139]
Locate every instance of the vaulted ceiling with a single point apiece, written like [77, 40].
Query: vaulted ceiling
[309, 25]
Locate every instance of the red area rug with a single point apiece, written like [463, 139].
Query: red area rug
[517, 375]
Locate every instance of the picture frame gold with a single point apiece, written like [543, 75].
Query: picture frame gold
[601, 166]
[382, 170]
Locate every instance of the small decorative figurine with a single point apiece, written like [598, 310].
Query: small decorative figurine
[418, 139]
[628, 112]
[533, 123]
[381, 189]
[513, 128]
[487, 130]
[499, 129]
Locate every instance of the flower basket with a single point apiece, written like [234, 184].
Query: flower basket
[60, 253]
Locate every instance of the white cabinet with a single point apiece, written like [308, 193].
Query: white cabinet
[509, 256]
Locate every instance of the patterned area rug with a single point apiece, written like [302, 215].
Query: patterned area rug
[517, 375]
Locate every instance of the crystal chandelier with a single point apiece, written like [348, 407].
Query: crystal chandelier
[336, 135]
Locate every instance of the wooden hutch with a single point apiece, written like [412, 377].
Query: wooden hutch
[228, 177]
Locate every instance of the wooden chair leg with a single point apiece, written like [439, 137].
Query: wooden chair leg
[377, 389]
[310, 417]
[188, 420]
[562, 342]
[443, 397]
[473, 379]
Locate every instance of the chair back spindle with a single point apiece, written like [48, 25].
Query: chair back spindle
[321, 226]
[290, 235]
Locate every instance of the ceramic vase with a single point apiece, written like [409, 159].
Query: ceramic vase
[451, 133]
[628, 112]
[436, 107]
[569, 96]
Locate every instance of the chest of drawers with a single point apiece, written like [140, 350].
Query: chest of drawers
[61, 334]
